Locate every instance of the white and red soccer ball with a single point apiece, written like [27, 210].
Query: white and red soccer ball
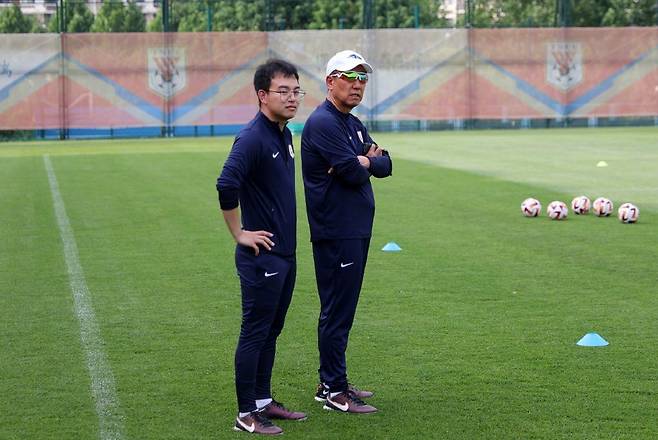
[557, 210]
[602, 207]
[580, 205]
[531, 207]
[628, 213]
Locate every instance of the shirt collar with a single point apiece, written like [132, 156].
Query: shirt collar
[274, 125]
[332, 108]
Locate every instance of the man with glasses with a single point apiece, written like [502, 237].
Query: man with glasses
[338, 158]
[257, 183]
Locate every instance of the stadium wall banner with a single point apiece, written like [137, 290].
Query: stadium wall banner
[137, 80]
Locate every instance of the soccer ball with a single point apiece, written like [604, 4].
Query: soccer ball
[602, 207]
[580, 205]
[531, 207]
[557, 210]
[628, 213]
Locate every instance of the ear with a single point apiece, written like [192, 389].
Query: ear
[329, 81]
[262, 96]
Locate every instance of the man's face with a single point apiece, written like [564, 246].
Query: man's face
[279, 102]
[346, 93]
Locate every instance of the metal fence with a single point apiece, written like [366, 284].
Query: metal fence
[182, 84]
[277, 15]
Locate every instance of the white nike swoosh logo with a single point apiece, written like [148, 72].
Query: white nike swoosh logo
[267, 275]
[345, 265]
[274, 155]
[250, 428]
[342, 407]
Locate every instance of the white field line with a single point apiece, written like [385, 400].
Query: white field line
[103, 389]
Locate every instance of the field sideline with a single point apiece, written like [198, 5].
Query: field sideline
[468, 333]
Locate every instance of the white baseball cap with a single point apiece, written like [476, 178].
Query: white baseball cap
[347, 60]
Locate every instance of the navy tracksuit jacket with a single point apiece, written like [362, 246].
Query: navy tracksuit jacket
[340, 206]
[259, 176]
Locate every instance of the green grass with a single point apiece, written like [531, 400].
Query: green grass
[468, 333]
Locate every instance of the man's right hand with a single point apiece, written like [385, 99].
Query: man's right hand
[364, 161]
[374, 151]
[253, 239]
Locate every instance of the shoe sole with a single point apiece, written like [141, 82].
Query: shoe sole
[292, 420]
[235, 428]
[320, 399]
[328, 408]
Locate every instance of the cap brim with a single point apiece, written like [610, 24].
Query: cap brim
[351, 66]
[366, 66]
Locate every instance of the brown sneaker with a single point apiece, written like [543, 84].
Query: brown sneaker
[276, 410]
[322, 392]
[256, 423]
[348, 402]
[361, 394]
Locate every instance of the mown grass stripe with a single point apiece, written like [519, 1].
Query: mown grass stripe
[103, 387]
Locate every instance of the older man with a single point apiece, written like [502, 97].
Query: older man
[338, 158]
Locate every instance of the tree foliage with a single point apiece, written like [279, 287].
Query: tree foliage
[77, 17]
[273, 15]
[13, 21]
[239, 15]
[631, 12]
[114, 16]
[407, 14]
[339, 14]
[580, 13]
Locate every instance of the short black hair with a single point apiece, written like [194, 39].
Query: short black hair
[271, 68]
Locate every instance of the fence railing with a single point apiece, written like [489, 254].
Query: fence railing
[155, 84]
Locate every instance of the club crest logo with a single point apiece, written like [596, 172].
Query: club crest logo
[564, 64]
[167, 71]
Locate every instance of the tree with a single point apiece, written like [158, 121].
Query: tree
[195, 19]
[239, 15]
[483, 13]
[155, 25]
[185, 16]
[114, 16]
[109, 18]
[134, 19]
[77, 17]
[630, 13]
[401, 14]
[337, 14]
[12, 21]
[586, 13]
[526, 13]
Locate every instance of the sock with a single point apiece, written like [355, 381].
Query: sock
[241, 415]
[332, 395]
[262, 403]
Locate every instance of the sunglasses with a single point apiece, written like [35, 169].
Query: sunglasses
[351, 75]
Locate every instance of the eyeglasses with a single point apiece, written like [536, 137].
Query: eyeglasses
[351, 75]
[286, 94]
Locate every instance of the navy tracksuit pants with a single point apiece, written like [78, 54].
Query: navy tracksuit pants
[266, 282]
[339, 269]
